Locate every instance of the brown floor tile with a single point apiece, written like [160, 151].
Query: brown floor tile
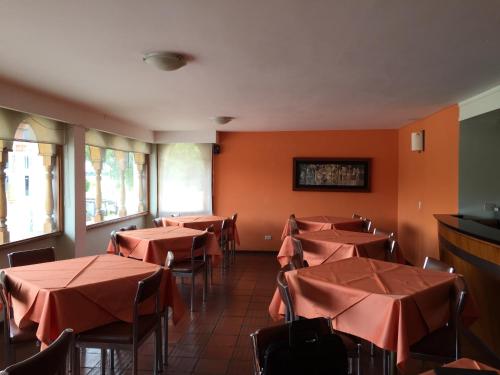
[211, 366]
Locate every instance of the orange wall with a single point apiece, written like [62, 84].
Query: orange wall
[253, 176]
[430, 177]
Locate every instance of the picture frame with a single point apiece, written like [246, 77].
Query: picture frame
[331, 174]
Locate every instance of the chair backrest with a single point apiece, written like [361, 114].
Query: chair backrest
[294, 228]
[284, 291]
[27, 257]
[50, 361]
[198, 247]
[128, 227]
[224, 232]
[458, 298]
[234, 218]
[298, 254]
[367, 225]
[437, 265]
[7, 313]
[114, 242]
[356, 216]
[382, 233]
[210, 229]
[170, 259]
[148, 287]
[157, 222]
[262, 338]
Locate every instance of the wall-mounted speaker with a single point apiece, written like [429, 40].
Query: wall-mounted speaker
[216, 149]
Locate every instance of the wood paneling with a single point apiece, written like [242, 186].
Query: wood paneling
[479, 262]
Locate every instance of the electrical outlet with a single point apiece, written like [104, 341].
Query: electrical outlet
[268, 237]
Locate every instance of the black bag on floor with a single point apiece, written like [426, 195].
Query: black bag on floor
[308, 351]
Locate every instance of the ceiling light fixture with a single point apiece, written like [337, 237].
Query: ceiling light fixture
[165, 60]
[222, 120]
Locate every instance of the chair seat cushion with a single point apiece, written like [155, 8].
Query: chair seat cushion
[440, 343]
[119, 332]
[25, 334]
[186, 266]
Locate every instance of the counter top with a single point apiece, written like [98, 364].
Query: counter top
[470, 227]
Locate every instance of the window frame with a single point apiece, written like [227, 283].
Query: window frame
[146, 211]
[59, 156]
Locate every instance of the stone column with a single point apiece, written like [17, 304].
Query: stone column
[122, 159]
[47, 152]
[96, 157]
[5, 146]
[140, 162]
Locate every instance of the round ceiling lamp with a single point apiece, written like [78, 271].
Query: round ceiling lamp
[165, 60]
[222, 120]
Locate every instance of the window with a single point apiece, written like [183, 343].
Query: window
[185, 178]
[115, 183]
[29, 186]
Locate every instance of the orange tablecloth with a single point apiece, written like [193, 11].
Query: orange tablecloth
[201, 223]
[389, 304]
[152, 244]
[331, 245]
[465, 363]
[317, 223]
[83, 293]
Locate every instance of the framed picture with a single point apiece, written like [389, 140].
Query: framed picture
[331, 174]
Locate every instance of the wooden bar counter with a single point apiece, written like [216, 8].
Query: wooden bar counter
[472, 246]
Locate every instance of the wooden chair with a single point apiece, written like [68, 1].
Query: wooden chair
[298, 254]
[115, 239]
[224, 242]
[127, 336]
[367, 223]
[158, 223]
[27, 257]
[292, 223]
[128, 227]
[210, 229]
[437, 265]
[391, 244]
[12, 334]
[443, 344]
[193, 266]
[51, 361]
[232, 237]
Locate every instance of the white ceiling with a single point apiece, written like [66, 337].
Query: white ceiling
[273, 64]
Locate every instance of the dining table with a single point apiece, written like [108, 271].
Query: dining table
[389, 304]
[319, 223]
[331, 245]
[83, 293]
[201, 222]
[464, 363]
[152, 244]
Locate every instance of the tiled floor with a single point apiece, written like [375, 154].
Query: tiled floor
[215, 339]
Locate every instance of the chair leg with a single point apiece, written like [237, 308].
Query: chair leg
[103, 361]
[157, 356]
[205, 284]
[358, 360]
[134, 360]
[193, 276]
[165, 338]
[112, 359]
[76, 361]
